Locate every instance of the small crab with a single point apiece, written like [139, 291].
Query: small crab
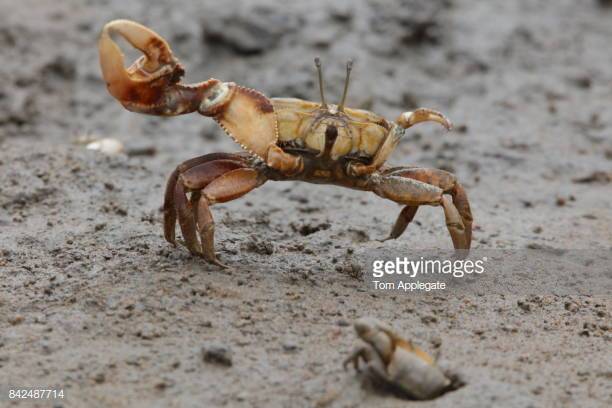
[283, 139]
[397, 364]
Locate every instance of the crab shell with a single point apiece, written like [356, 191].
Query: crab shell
[399, 364]
[307, 124]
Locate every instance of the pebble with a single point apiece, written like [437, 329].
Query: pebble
[343, 323]
[429, 319]
[107, 146]
[99, 378]
[17, 319]
[148, 331]
[571, 307]
[290, 346]
[525, 306]
[217, 354]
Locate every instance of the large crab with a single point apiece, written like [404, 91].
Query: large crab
[283, 139]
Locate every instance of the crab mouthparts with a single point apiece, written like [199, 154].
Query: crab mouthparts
[331, 133]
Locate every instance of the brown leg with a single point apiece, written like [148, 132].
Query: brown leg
[413, 192]
[170, 210]
[186, 220]
[209, 183]
[460, 200]
[206, 229]
[448, 183]
[362, 353]
[454, 224]
[403, 219]
[232, 185]
[193, 201]
[229, 186]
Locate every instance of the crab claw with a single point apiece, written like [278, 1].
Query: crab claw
[146, 80]
[152, 85]
[408, 119]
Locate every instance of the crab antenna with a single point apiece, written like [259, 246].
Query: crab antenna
[320, 72]
[349, 66]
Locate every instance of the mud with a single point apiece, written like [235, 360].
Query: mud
[94, 301]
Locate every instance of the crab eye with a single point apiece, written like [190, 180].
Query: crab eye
[214, 96]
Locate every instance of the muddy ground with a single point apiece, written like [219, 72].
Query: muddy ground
[94, 301]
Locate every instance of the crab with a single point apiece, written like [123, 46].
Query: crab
[282, 138]
[398, 365]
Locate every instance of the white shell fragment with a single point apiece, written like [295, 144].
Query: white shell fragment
[108, 146]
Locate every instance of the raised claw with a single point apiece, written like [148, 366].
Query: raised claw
[146, 81]
[408, 119]
[152, 85]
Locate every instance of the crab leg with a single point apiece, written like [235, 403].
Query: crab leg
[454, 224]
[184, 211]
[414, 193]
[211, 182]
[404, 121]
[170, 211]
[447, 182]
[408, 119]
[404, 218]
[362, 353]
[463, 205]
[230, 186]
[206, 229]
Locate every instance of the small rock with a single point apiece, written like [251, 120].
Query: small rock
[46, 347]
[107, 146]
[17, 319]
[60, 68]
[343, 323]
[164, 384]
[148, 331]
[263, 247]
[601, 177]
[429, 319]
[352, 269]
[582, 81]
[99, 378]
[290, 346]
[217, 354]
[571, 307]
[525, 306]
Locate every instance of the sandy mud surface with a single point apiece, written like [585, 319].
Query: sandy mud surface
[94, 301]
